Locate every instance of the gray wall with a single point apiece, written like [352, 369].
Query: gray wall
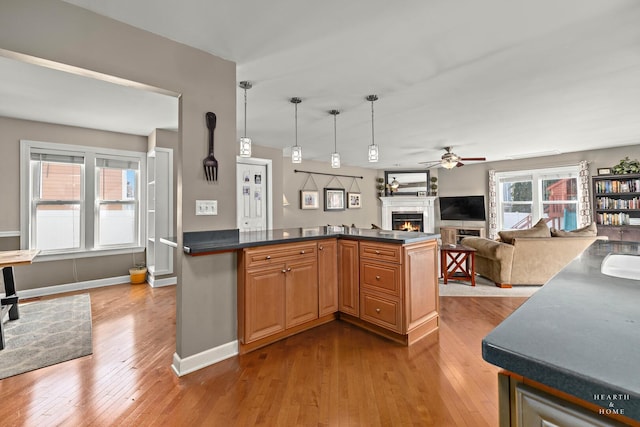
[294, 182]
[52, 273]
[67, 34]
[474, 179]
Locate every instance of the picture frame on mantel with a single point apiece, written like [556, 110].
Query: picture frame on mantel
[411, 182]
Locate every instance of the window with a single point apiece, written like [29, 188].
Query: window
[526, 196]
[80, 199]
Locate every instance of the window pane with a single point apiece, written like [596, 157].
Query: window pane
[561, 215]
[520, 191]
[60, 181]
[516, 216]
[58, 227]
[116, 184]
[116, 224]
[560, 189]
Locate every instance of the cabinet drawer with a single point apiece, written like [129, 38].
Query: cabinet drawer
[382, 277]
[380, 251]
[258, 257]
[381, 311]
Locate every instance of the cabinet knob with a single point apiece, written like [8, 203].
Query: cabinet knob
[377, 310]
[302, 252]
[377, 252]
[320, 248]
[289, 269]
[268, 257]
[284, 271]
[377, 277]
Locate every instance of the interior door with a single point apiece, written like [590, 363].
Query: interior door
[253, 195]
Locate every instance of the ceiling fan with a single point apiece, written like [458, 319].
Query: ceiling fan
[450, 160]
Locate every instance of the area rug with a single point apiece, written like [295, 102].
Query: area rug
[483, 288]
[47, 332]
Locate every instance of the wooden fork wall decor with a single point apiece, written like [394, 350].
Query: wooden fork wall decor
[210, 163]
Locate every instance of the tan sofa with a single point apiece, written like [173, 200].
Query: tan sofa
[528, 260]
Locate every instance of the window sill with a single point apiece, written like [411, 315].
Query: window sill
[88, 254]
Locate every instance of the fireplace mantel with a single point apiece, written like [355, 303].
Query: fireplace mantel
[426, 205]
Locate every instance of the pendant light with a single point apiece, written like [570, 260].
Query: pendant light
[373, 148]
[335, 156]
[245, 143]
[296, 150]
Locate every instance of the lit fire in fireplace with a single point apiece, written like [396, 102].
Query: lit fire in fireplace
[408, 226]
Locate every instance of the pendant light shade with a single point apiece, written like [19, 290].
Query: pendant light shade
[245, 143]
[335, 156]
[296, 150]
[373, 148]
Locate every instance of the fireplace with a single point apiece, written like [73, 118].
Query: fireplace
[407, 221]
[422, 206]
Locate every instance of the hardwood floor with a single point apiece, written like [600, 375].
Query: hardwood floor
[334, 375]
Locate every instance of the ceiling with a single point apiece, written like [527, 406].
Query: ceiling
[496, 78]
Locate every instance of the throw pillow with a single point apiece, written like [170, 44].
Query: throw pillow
[539, 230]
[589, 230]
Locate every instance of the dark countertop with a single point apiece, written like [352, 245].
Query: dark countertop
[201, 242]
[579, 334]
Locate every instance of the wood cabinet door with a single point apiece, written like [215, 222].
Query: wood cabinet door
[348, 277]
[301, 292]
[421, 283]
[264, 302]
[327, 277]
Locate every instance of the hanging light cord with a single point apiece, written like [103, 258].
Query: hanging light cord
[372, 137]
[296, 110]
[335, 135]
[245, 112]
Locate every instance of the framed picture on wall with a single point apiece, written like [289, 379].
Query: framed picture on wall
[334, 199]
[309, 199]
[354, 200]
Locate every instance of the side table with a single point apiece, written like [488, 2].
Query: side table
[458, 262]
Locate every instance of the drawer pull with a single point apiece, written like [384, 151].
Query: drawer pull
[320, 248]
[377, 277]
[284, 271]
[289, 269]
[377, 252]
[268, 257]
[302, 252]
[378, 310]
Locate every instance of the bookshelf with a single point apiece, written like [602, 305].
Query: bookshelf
[616, 206]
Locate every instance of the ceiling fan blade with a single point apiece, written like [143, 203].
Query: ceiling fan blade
[459, 164]
[473, 159]
[431, 162]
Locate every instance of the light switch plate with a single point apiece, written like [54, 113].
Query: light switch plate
[206, 207]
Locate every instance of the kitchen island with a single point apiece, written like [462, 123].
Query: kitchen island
[575, 340]
[291, 280]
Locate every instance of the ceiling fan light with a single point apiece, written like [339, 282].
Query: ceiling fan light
[296, 154]
[448, 164]
[335, 160]
[245, 146]
[373, 153]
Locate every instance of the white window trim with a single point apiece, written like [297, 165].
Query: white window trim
[535, 175]
[89, 188]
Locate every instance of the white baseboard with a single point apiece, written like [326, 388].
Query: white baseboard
[206, 358]
[9, 233]
[70, 287]
[158, 283]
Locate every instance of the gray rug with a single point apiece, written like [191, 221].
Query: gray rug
[483, 288]
[47, 332]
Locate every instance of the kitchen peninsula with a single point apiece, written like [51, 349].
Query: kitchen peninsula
[573, 345]
[291, 280]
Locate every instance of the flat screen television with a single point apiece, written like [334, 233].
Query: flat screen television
[462, 208]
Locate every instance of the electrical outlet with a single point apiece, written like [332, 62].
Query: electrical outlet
[206, 207]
